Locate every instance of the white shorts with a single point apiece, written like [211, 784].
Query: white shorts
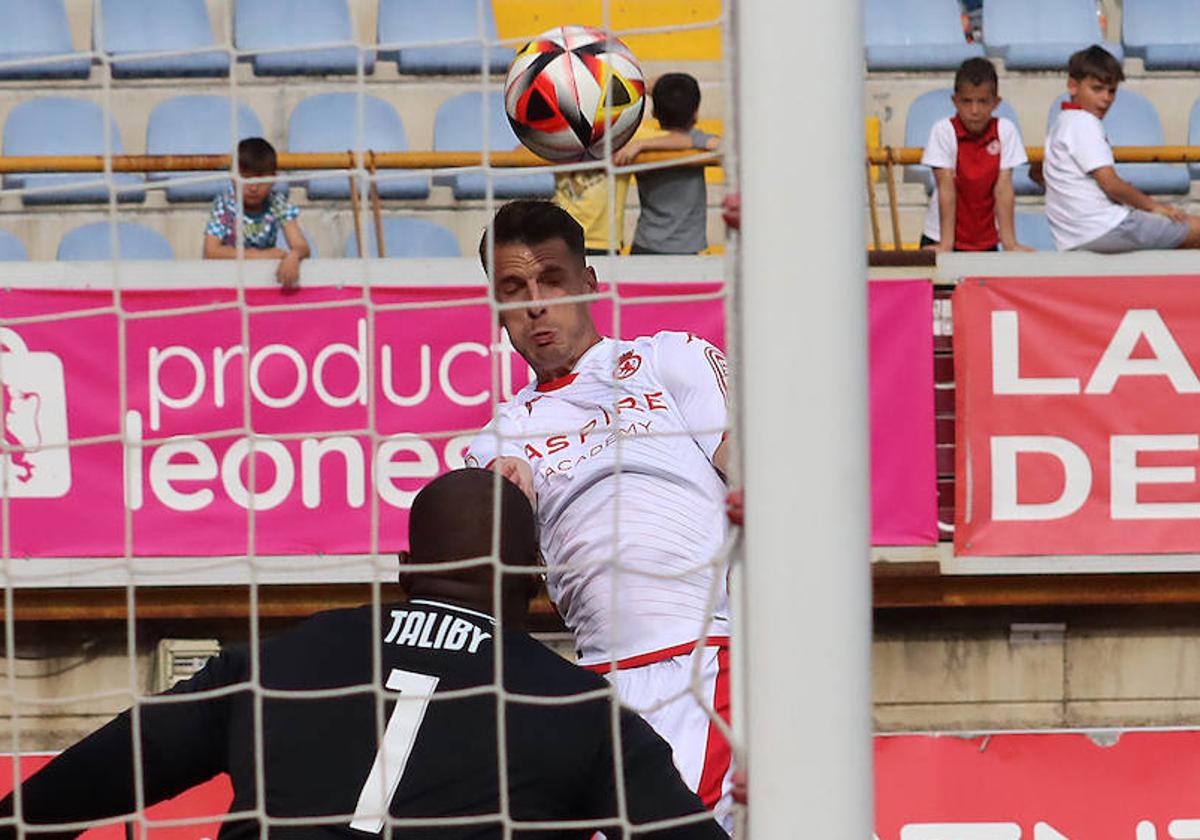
[659, 688]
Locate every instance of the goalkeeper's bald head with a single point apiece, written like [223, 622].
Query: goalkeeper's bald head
[452, 520]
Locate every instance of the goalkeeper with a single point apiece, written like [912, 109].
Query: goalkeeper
[323, 768]
[621, 443]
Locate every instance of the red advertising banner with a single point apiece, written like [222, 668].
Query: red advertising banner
[1038, 787]
[1077, 401]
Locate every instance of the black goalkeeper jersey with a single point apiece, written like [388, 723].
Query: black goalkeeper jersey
[326, 769]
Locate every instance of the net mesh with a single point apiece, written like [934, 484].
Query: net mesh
[187, 451]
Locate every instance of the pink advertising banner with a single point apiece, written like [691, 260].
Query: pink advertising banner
[348, 409]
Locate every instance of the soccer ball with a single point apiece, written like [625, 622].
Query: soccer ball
[562, 85]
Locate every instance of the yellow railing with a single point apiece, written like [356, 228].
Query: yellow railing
[889, 157]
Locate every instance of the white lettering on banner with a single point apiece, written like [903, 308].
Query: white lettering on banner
[159, 397]
[444, 374]
[358, 354]
[311, 453]
[164, 470]
[1127, 476]
[1168, 359]
[256, 386]
[1006, 363]
[1077, 477]
[1145, 830]
[181, 459]
[187, 383]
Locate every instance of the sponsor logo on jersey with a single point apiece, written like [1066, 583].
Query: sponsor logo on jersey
[627, 365]
[720, 368]
[529, 403]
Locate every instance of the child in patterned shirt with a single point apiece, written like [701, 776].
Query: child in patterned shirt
[263, 214]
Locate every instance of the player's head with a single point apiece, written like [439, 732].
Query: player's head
[451, 519]
[975, 93]
[676, 100]
[1093, 75]
[256, 159]
[538, 256]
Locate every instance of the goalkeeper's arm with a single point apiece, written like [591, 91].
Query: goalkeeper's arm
[183, 744]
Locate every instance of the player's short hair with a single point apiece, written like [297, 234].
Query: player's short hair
[451, 519]
[976, 71]
[532, 222]
[676, 100]
[256, 155]
[1097, 63]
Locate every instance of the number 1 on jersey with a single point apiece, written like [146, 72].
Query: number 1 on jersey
[392, 755]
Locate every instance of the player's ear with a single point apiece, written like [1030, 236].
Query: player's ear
[592, 282]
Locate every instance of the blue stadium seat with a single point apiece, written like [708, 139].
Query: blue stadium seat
[458, 127]
[1165, 34]
[420, 21]
[328, 122]
[11, 248]
[1133, 121]
[1041, 34]
[36, 29]
[932, 106]
[406, 237]
[1194, 135]
[94, 242]
[1033, 230]
[295, 24]
[122, 27]
[56, 125]
[916, 35]
[196, 125]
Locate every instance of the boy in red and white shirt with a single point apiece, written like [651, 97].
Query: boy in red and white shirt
[621, 446]
[972, 155]
[1089, 206]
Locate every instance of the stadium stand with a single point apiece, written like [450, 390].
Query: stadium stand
[930, 107]
[38, 30]
[330, 122]
[1165, 34]
[459, 127]
[412, 21]
[122, 27]
[1133, 121]
[916, 35]
[1194, 135]
[1040, 35]
[11, 247]
[408, 237]
[282, 24]
[281, 242]
[1033, 230]
[134, 242]
[57, 125]
[197, 124]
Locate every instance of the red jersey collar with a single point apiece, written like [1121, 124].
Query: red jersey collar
[567, 378]
[554, 384]
[1068, 105]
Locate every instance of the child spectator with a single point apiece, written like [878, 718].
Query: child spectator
[674, 201]
[972, 155]
[1088, 205]
[263, 214]
[584, 195]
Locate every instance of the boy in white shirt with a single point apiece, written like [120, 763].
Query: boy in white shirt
[1089, 206]
[972, 155]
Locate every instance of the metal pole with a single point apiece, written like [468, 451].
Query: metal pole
[806, 608]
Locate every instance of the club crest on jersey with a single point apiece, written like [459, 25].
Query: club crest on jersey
[627, 365]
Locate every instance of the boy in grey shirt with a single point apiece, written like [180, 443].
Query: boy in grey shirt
[674, 201]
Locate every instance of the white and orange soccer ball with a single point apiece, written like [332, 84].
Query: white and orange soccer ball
[568, 87]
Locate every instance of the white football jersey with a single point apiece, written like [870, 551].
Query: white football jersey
[631, 509]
